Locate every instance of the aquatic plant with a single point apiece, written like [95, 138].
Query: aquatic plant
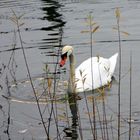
[117, 12]
[119, 31]
[17, 20]
[93, 27]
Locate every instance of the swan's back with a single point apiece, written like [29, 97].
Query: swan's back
[94, 72]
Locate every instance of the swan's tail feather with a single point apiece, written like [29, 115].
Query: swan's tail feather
[113, 61]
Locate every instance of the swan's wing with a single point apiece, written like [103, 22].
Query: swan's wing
[113, 61]
[83, 76]
[94, 75]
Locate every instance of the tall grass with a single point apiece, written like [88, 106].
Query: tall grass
[118, 16]
[93, 27]
[16, 19]
[90, 23]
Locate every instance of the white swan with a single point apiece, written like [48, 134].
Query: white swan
[91, 74]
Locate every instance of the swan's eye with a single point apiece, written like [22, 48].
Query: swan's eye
[64, 56]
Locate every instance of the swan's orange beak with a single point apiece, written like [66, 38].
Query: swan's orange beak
[63, 61]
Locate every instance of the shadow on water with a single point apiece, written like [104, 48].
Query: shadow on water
[52, 15]
[51, 45]
[55, 29]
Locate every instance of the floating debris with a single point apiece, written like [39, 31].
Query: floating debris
[133, 120]
[23, 131]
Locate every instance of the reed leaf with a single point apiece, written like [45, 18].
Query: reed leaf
[84, 79]
[85, 76]
[86, 31]
[95, 29]
[80, 73]
[94, 23]
[62, 117]
[62, 109]
[117, 12]
[76, 80]
[13, 19]
[49, 83]
[123, 32]
[21, 16]
[21, 24]
[90, 99]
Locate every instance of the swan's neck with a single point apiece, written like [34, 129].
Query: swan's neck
[71, 87]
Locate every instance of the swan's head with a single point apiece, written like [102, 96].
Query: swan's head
[66, 51]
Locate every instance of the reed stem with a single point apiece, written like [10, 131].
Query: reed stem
[119, 86]
[130, 96]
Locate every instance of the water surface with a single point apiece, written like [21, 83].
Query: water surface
[48, 25]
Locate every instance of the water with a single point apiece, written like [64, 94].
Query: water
[49, 24]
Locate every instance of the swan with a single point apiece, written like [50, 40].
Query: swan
[91, 74]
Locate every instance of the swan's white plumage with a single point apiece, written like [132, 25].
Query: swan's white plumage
[99, 75]
[91, 74]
